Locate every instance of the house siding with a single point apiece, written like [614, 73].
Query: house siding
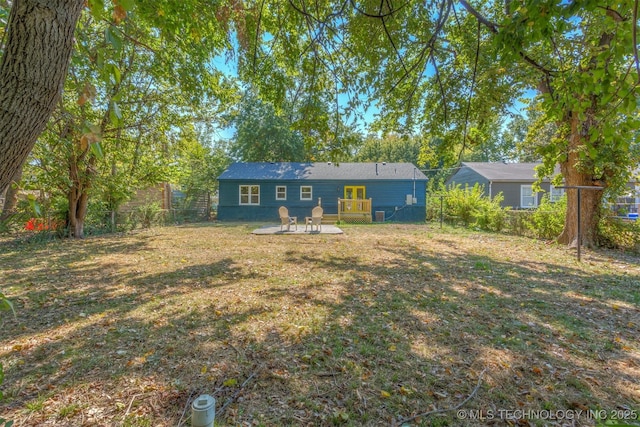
[511, 192]
[387, 195]
[510, 189]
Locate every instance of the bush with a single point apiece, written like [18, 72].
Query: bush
[149, 214]
[547, 221]
[490, 215]
[462, 203]
[619, 233]
[469, 206]
[518, 222]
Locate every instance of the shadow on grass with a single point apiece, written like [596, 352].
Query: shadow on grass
[327, 333]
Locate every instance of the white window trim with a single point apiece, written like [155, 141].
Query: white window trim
[557, 196]
[310, 192]
[278, 187]
[250, 186]
[533, 194]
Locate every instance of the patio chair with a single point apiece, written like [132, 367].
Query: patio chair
[286, 220]
[314, 219]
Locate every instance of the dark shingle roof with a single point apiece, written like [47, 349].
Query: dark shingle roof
[505, 171]
[323, 171]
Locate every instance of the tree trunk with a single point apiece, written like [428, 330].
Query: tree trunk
[78, 195]
[590, 206]
[32, 74]
[11, 197]
[78, 203]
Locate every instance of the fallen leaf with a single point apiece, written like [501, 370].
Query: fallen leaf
[230, 382]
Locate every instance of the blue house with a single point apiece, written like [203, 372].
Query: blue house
[353, 192]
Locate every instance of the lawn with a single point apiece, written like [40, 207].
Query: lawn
[383, 325]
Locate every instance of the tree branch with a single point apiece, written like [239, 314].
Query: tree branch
[255, 48]
[444, 98]
[494, 29]
[430, 45]
[473, 84]
[380, 15]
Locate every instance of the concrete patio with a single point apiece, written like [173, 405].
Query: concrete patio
[275, 229]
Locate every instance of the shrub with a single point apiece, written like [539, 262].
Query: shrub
[490, 215]
[547, 221]
[518, 221]
[462, 203]
[619, 234]
[469, 206]
[149, 214]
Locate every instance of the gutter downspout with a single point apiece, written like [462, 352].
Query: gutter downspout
[414, 185]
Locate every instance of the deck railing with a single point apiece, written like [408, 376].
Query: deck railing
[354, 208]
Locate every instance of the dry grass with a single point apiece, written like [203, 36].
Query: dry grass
[367, 328]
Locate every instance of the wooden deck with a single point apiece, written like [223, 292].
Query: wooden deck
[355, 211]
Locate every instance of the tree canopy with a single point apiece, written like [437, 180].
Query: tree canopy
[454, 69]
[449, 70]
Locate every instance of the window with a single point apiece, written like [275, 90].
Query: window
[528, 199]
[306, 193]
[249, 194]
[281, 192]
[555, 194]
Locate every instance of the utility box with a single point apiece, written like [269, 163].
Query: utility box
[203, 411]
[379, 216]
[409, 199]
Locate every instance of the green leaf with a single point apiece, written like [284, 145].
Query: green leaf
[96, 149]
[89, 127]
[126, 4]
[114, 71]
[115, 114]
[230, 382]
[97, 8]
[35, 206]
[5, 305]
[100, 58]
[113, 39]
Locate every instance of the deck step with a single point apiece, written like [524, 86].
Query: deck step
[329, 218]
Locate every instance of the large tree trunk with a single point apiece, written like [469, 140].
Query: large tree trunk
[590, 206]
[32, 74]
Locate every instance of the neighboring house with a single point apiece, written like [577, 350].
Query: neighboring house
[356, 191]
[628, 204]
[513, 180]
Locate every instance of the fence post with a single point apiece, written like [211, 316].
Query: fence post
[579, 188]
